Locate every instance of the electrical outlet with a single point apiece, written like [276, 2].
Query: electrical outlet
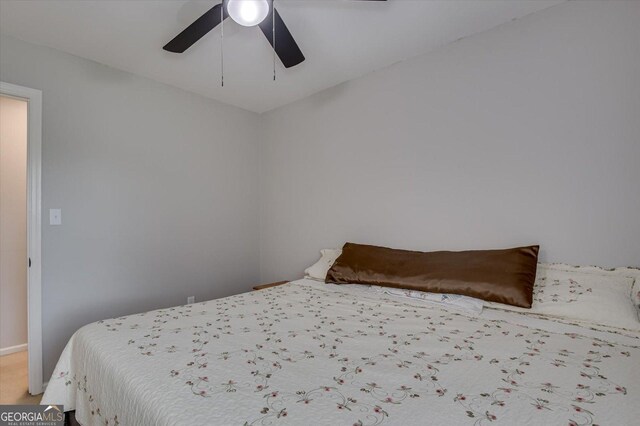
[191, 299]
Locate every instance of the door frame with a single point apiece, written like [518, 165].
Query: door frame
[34, 227]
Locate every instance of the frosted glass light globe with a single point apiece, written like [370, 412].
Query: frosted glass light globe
[248, 12]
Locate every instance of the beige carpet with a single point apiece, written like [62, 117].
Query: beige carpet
[14, 380]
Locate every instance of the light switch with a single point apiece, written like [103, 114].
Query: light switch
[55, 217]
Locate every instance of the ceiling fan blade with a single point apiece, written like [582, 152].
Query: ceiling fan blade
[286, 47]
[196, 31]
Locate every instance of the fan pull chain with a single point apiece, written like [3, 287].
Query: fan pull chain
[273, 34]
[222, 45]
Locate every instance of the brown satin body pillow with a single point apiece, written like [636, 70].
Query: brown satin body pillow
[504, 276]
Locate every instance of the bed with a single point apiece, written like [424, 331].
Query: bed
[313, 353]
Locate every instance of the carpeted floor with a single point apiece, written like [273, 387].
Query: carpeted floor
[14, 380]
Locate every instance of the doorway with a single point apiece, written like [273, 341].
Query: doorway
[20, 223]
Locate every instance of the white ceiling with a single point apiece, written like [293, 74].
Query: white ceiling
[341, 39]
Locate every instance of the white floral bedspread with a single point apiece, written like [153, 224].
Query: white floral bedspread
[308, 353]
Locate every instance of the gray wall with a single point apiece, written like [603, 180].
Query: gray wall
[528, 133]
[157, 186]
[13, 222]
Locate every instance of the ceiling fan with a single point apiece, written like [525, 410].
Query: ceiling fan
[247, 13]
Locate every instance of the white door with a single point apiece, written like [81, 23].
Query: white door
[21, 225]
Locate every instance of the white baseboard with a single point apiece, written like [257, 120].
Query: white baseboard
[13, 349]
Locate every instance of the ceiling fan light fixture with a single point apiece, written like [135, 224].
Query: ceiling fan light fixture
[248, 13]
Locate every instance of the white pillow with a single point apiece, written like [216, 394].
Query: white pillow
[586, 294]
[455, 301]
[318, 271]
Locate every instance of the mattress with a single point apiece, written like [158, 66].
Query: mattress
[311, 353]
